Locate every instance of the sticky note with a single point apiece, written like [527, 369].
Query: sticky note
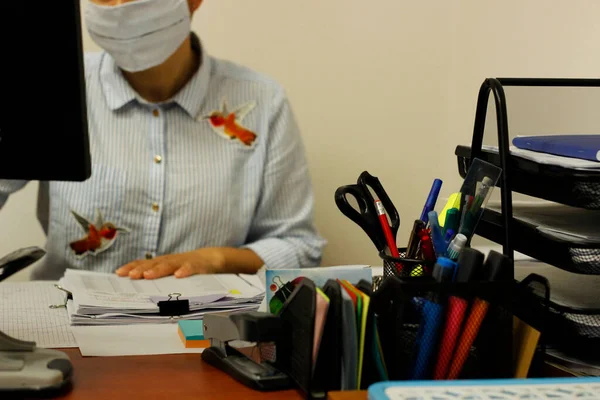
[191, 334]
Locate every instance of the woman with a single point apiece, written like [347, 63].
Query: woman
[198, 165]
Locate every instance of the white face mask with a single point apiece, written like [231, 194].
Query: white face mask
[140, 34]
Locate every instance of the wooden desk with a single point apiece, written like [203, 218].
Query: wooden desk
[172, 377]
[348, 395]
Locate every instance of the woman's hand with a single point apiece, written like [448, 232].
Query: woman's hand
[202, 261]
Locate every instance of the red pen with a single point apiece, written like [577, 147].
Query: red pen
[426, 246]
[387, 231]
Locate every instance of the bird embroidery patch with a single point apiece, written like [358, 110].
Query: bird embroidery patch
[99, 236]
[229, 123]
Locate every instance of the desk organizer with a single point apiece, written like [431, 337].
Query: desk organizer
[448, 330]
[573, 329]
[410, 268]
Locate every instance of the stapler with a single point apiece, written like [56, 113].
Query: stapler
[29, 371]
[238, 343]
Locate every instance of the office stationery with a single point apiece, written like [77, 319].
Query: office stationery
[431, 200]
[361, 322]
[444, 268]
[413, 241]
[349, 379]
[191, 334]
[294, 354]
[431, 321]
[499, 389]
[432, 313]
[469, 261]
[25, 314]
[476, 191]
[227, 332]
[27, 371]
[525, 340]
[385, 226]
[283, 291]
[100, 298]
[456, 246]
[584, 147]
[374, 368]
[331, 352]
[548, 159]
[14, 262]
[452, 221]
[496, 268]
[173, 306]
[278, 280]
[130, 340]
[449, 236]
[426, 246]
[357, 302]
[439, 244]
[322, 305]
[366, 216]
[453, 202]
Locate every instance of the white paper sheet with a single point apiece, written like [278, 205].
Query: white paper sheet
[130, 340]
[109, 290]
[25, 314]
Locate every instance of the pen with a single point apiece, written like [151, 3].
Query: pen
[452, 220]
[473, 214]
[467, 204]
[469, 262]
[449, 236]
[413, 241]
[431, 319]
[494, 268]
[456, 246]
[389, 237]
[439, 245]
[431, 200]
[426, 246]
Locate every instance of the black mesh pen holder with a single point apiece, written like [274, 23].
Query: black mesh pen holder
[481, 321]
[402, 267]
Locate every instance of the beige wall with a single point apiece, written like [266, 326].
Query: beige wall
[387, 86]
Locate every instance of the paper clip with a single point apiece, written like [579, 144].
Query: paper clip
[69, 297]
[174, 307]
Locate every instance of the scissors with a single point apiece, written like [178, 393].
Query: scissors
[366, 216]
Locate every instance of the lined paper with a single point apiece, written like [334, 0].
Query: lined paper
[25, 314]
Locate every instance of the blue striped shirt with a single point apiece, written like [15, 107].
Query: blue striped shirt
[176, 181]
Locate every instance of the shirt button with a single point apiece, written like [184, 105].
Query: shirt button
[155, 112]
[155, 207]
[157, 159]
[148, 256]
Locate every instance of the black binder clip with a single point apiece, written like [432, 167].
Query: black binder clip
[172, 308]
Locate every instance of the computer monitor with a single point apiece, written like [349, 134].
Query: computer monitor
[43, 115]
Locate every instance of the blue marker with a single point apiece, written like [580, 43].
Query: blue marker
[431, 200]
[437, 237]
[432, 315]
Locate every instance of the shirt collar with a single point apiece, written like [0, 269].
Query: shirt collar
[119, 93]
[192, 95]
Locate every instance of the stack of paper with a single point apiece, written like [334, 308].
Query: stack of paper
[106, 299]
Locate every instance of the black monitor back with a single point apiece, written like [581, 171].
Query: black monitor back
[43, 118]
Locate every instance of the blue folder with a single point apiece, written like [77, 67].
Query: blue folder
[585, 147]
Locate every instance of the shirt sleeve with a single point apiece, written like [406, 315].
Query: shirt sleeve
[8, 187]
[282, 232]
